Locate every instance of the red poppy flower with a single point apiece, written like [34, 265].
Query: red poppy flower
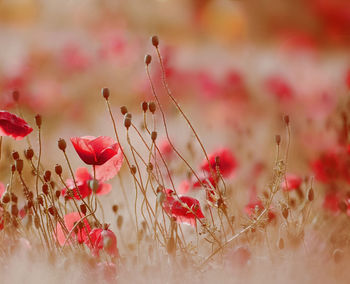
[82, 178]
[227, 162]
[79, 235]
[179, 210]
[95, 151]
[102, 239]
[328, 167]
[279, 87]
[331, 202]
[291, 182]
[14, 126]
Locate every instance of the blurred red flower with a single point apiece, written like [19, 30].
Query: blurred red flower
[291, 182]
[227, 162]
[102, 239]
[179, 210]
[95, 151]
[79, 235]
[82, 178]
[14, 126]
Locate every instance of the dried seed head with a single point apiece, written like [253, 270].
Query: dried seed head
[6, 197]
[119, 221]
[58, 169]
[154, 135]
[152, 107]
[14, 210]
[15, 95]
[29, 153]
[127, 121]
[115, 208]
[155, 41]
[38, 120]
[281, 243]
[19, 165]
[52, 184]
[150, 167]
[105, 93]
[133, 170]
[311, 195]
[62, 145]
[144, 106]
[45, 189]
[83, 208]
[40, 200]
[15, 155]
[148, 59]
[47, 176]
[286, 119]
[285, 212]
[278, 139]
[123, 110]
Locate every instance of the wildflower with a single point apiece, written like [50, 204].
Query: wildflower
[227, 162]
[82, 178]
[95, 151]
[331, 202]
[279, 88]
[291, 182]
[79, 234]
[185, 210]
[102, 239]
[14, 126]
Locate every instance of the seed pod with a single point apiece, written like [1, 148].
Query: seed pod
[15, 155]
[52, 210]
[19, 165]
[154, 135]
[311, 195]
[155, 41]
[285, 212]
[14, 210]
[14, 197]
[47, 176]
[105, 93]
[45, 189]
[127, 122]
[40, 200]
[29, 153]
[278, 139]
[148, 59]
[144, 106]
[286, 119]
[62, 145]
[38, 120]
[133, 170]
[36, 222]
[150, 167]
[123, 110]
[58, 193]
[115, 208]
[15, 95]
[281, 244]
[119, 221]
[152, 107]
[13, 168]
[58, 169]
[6, 197]
[83, 208]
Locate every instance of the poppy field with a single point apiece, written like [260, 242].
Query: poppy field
[174, 142]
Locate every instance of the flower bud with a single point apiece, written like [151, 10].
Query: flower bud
[83, 208]
[58, 169]
[123, 110]
[47, 176]
[155, 41]
[152, 107]
[115, 208]
[58, 193]
[38, 120]
[148, 59]
[29, 153]
[19, 165]
[144, 106]
[14, 197]
[154, 135]
[62, 145]
[6, 197]
[14, 210]
[52, 210]
[105, 93]
[15, 155]
[286, 119]
[133, 170]
[45, 189]
[278, 139]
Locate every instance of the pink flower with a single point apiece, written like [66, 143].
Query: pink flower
[14, 126]
[95, 151]
[291, 182]
[102, 239]
[82, 178]
[179, 210]
[79, 235]
[227, 162]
